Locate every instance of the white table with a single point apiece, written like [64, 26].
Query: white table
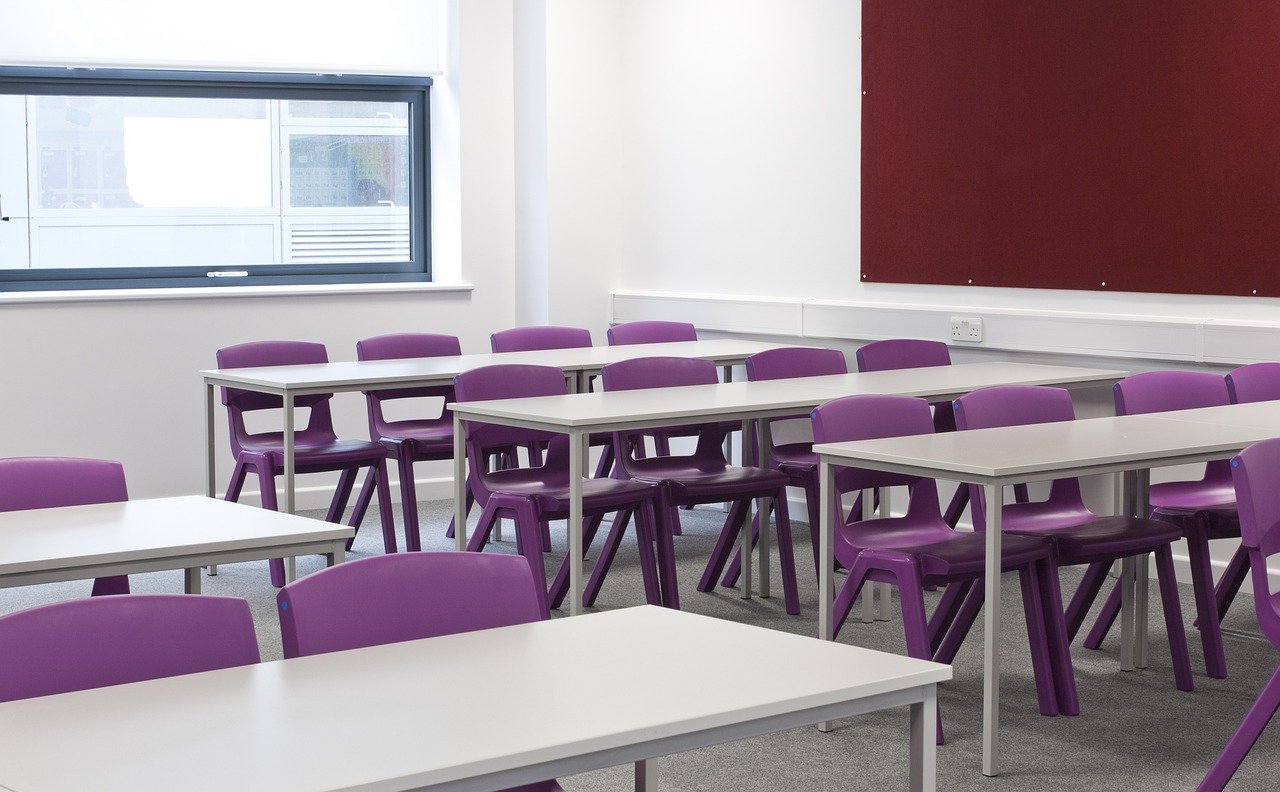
[1000, 457]
[290, 382]
[581, 414]
[477, 711]
[101, 540]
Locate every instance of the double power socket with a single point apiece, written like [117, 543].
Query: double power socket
[966, 328]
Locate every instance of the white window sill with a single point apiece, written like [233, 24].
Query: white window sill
[225, 292]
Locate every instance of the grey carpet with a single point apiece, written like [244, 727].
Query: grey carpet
[1136, 731]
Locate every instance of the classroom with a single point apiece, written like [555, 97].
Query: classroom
[652, 282]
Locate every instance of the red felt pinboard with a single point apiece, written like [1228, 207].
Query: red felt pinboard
[1093, 144]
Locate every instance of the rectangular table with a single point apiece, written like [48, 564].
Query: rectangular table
[1004, 456]
[101, 540]
[290, 382]
[581, 414]
[477, 711]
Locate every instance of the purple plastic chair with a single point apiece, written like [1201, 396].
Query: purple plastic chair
[919, 549]
[1201, 508]
[905, 353]
[96, 642]
[388, 599]
[651, 332]
[413, 440]
[534, 337]
[1256, 477]
[47, 482]
[797, 460]
[1077, 534]
[703, 477]
[533, 496]
[316, 448]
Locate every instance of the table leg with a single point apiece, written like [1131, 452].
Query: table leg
[924, 746]
[883, 590]
[766, 569]
[1128, 572]
[210, 458]
[577, 472]
[826, 555]
[289, 494]
[991, 638]
[1142, 578]
[459, 485]
[290, 569]
[728, 438]
[647, 775]
[868, 595]
[338, 554]
[191, 580]
[744, 537]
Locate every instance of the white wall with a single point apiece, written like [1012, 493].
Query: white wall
[117, 379]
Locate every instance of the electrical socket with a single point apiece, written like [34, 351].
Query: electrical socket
[966, 328]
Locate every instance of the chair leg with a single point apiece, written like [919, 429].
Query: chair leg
[811, 504]
[786, 554]
[955, 509]
[267, 487]
[845, 598]
[408, 500]
[666, 551]
[914, 622]
[607, 554]
[1095, 575]
[944, 614]
[962, 622]
[1042, 665]
[237, 482]
[1106, 618]
[1064, 673]
[646, 535]
[724, 544]
[107, 586]
[1229, 584]
[528, 531]
[1173, 619]
[488, 516]
[341, 494]
[385, 514]
[560, 583]
[1246, 734]
[734, 570]
[471, 500]
[1215, 659]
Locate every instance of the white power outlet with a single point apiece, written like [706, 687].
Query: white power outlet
[966, 328]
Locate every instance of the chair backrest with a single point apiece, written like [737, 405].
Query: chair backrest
[525, 339]
[100, 641]
[46, 482]
[1161, 391]
[901, 353]
[1254, 383]
[1018, 405]
[663, 372]
[399, 346]
[651, 332]
[1255, 471]
[256, 354]
[869, 417]
[404, 597]
[788, 362]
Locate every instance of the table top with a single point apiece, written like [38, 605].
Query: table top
[386, 373]
[768, 397]
[106, 533]
[1258, 415]
[411, 714]
[1030, 452]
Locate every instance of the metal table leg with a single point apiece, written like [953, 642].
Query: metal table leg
[991, 638]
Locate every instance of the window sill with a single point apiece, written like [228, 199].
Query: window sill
[225, 292]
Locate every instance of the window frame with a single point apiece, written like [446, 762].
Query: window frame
[79, 81]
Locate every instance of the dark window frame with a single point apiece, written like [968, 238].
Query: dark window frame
[416, 91]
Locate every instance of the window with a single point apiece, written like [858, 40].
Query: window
[118, 179]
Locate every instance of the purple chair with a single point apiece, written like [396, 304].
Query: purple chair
[919, 549]
[388, 599]
[413, 440]
[905, 353]
[797, 460]
[316, 448]
[47, 482]
[703, 477]
[534, 337]
[1201, 508]
[1078, 536]
[533, 496]
[651, 332]
[96, 642]
[1256, 478]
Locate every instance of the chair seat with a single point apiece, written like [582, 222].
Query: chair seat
[1192, 495]
[319, 455]
[1220, 522]
[795, 455]
[1105, 537]
[942, 552]
[551, 493]
[689, 480]
[425, 431]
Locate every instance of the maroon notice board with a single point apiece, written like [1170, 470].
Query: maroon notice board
[1118, 145]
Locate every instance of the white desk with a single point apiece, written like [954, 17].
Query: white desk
[290, 382]
[78, 542]
[999, 457]
[476, 711]
[579, 415]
